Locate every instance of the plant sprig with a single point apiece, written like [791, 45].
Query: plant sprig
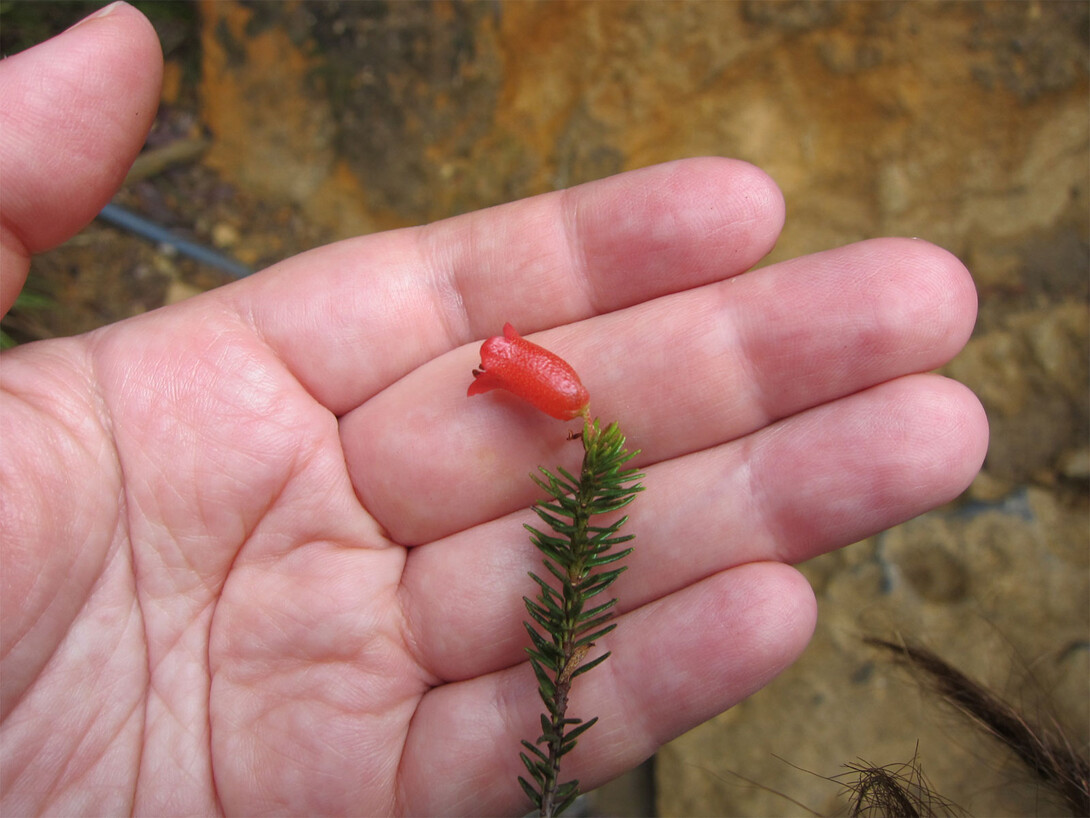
[576, 556]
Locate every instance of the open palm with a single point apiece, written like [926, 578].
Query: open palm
[261, 554]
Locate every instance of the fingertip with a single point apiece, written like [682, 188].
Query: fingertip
[101, 13]
[785, 610]
[673, 226]
[941, 431]
[921, 292]
[717, 177]
[123, 21]
[728, 636]
[77, 110]
[728, 192]
[952, 284]
[14, 266]
[967, 431]
[762, 201]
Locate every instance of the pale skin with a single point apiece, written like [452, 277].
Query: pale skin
[261, 554]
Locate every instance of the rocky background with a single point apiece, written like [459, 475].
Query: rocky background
[965, 123]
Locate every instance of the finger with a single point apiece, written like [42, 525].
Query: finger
[681, 373]
[76, 111]
[675, 663]
[822, 479]
[377, 307]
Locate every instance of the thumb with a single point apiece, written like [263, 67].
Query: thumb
[74, 112]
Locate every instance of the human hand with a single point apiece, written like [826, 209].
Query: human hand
[261, 554]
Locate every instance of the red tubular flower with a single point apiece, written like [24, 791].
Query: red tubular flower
[532, 373]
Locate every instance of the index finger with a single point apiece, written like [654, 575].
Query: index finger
[352, 318]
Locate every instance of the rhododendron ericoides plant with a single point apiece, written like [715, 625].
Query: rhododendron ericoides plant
[567, 615]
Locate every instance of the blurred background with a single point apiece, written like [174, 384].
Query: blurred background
[287, 125]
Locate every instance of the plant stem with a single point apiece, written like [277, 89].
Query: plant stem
[570, 628]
